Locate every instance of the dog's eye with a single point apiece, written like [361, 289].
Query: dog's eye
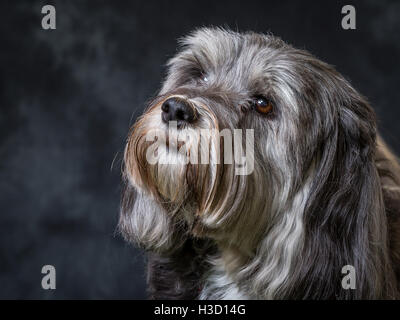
[263, 105]
[203, 77]
[200, 77]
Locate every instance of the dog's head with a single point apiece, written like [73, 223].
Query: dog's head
[311, 142]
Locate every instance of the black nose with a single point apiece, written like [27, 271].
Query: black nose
[177, 109]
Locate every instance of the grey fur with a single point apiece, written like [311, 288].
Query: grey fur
[317, 200]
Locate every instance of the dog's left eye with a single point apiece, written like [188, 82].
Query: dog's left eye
[262, 105]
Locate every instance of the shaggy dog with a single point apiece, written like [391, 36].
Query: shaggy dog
[323, 193]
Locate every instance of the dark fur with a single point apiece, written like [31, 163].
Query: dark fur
[178, 276]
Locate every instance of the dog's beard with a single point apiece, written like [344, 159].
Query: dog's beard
[177, 167]
[186, 170]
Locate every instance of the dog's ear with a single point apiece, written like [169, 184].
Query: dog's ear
[147, 224]
[344, 219]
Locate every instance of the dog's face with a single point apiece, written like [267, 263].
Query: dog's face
[297, 106]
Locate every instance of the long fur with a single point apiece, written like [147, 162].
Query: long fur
[324, 193]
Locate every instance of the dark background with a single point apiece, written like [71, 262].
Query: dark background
[68, 97]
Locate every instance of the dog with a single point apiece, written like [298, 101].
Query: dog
[323, 194]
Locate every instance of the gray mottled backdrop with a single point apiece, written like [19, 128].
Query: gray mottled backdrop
[69, 96]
